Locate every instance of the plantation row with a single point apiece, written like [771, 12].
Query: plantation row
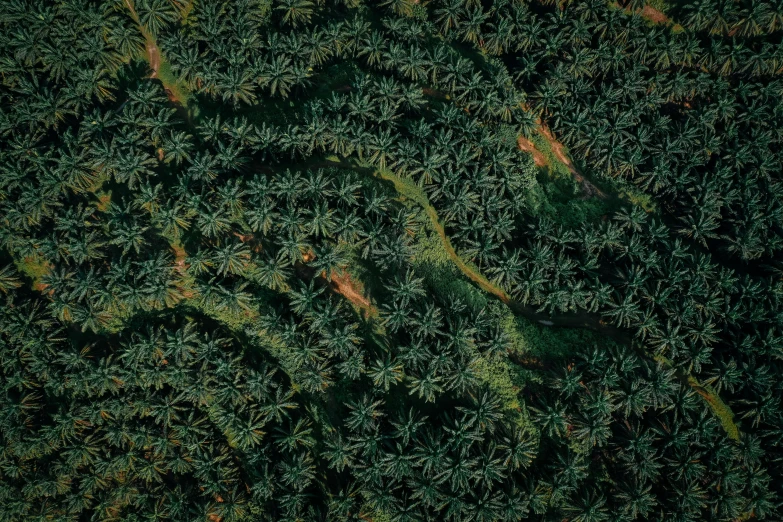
[227, 286]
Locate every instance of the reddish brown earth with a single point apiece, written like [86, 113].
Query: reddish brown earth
[181, 267]
[341, 283]
[179, 258]
[153, 56]
[344, 285]
[649, 13]
[103, 202]
[434, 93]
[153, 53]
[558, 150]
[528, 146]
[654, 15]
[588, 189]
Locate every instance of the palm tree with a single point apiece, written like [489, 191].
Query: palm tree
[385, 372]
[296, 12]
[278, 75]
[449, 16]
[399, 7]
[364, 415]
[236, 85]
[588, 507]
[8, 279]
[213, 223]
[231, 259]
[155, 15]
[272, 272]
[426, 387]
[330, 260]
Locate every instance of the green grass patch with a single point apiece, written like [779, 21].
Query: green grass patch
[34, 267]
[661, 5]
[530, 339]
[432, 261]
[507, 380]
[559, 196]
[719, 408]
[172, 82]
[556, 167]
[629, 193]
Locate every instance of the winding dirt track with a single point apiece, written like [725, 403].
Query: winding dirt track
[558, 149]
[572, 320]
[588, 189]
[153, 56]
[341, 283]
[526, 145]
[344, 285]
[654, 15]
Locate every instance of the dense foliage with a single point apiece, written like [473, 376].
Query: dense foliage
[285, 260]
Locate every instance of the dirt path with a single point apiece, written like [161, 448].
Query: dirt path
[528, 146]
[721, 410]
[346, 286]
[572, 320]
[341, 283]
[588, 189]
[153, 57]
[648, 12]
[654, 15]
[153, 54]
[180, 257]
[558, 150]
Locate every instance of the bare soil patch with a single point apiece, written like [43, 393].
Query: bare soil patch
[654, 15]
[341, 283]
[558, 150]
[346, 286]
[179, 258]
[170, 94]
[153, 56]
[104, 200]
[528, 146]
[588, 189]
[649, 13]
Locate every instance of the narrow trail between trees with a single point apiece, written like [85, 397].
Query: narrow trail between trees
[574, 320]
[526, 145]
[153, 54]
[341, 283]
[654, 15]
[571, 320]
[154, 58]
[558, 150]
[346, 286]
